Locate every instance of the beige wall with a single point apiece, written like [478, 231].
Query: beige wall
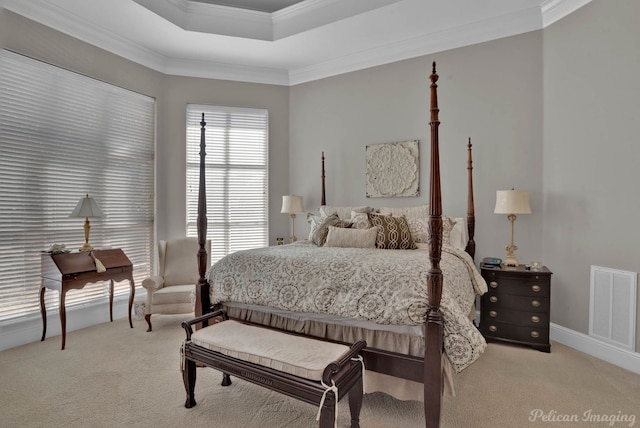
[172, 93]
[591, 151]
[490, 92]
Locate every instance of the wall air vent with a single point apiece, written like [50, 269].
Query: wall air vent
[612, 308]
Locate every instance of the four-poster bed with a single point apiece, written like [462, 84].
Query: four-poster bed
[427, 367]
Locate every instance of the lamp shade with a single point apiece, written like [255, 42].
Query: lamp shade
[292, 204]
[87, 207]
[512, 202]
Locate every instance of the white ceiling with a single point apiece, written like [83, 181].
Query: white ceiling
[300, 41]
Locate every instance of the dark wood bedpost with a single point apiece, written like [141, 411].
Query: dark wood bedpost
[471, 216]
[433, 381]
[323, 199]
[202, 287]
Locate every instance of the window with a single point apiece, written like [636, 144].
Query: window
[236, 176]
[63, 135]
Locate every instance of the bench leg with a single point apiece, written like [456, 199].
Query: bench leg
[328, 412]
[355, 403]
[226, 379]
[189, 379]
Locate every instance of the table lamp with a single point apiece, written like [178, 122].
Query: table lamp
[87, 207]
[292, 204]
[512, 202]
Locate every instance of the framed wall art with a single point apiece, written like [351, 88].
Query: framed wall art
[393, 169]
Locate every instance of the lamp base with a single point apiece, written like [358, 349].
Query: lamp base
[511, 261]
[86, 247]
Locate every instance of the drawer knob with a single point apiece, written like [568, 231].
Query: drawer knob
[536, 288]
[493, 314]
[493, 284]
[535, 303]
[493, 328]
[493, 299]
[535, 334]
[535, 318]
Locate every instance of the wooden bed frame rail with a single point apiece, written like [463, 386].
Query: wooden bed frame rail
[428, 370]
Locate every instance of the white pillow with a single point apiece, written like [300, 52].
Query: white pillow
[343, 212]
[360, 220]
[458, 236]
[351, 238]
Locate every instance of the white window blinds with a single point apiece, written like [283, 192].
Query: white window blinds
[236, 176]
[63, 135]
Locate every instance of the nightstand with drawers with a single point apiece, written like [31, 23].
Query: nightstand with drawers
[516, 307]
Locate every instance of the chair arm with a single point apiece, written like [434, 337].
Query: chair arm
[152, 283]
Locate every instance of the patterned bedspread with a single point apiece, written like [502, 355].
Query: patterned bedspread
[383, 286]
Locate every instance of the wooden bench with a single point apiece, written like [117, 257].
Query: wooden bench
[307, 369]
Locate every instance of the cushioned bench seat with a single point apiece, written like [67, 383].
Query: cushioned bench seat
[307, 369]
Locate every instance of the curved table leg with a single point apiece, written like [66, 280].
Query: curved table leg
[63, 318]
[111, 300]
[43, 312]
[132, 294]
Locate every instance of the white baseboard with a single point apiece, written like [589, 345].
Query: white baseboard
[28, 329]
[620, 357]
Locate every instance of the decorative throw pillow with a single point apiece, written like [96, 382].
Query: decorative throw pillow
[360, 220]
[417, 217]
[314, 221]
[320, 235]
[393, 232]
[351, 238]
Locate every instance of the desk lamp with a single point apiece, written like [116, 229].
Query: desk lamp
[87, 207]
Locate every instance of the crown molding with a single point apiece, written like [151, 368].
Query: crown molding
[481, 31]
[213, 19]
[60, 20]
[222, 71]
[236, 22]
[554, 10]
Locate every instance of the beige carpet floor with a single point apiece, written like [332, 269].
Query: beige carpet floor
[113, 376]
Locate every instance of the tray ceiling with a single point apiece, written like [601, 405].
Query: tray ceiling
[286, 42]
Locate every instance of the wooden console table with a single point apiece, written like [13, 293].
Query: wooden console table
[72, 271]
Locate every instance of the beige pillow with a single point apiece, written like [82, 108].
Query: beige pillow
[320, 235]
[351, 238]
[393, 232]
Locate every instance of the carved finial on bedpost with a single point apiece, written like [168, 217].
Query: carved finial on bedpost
[471, 217]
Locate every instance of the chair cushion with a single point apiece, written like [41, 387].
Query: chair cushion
[296, 355]
[173, 294]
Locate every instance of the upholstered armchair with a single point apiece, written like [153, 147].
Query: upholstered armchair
[172, 290]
